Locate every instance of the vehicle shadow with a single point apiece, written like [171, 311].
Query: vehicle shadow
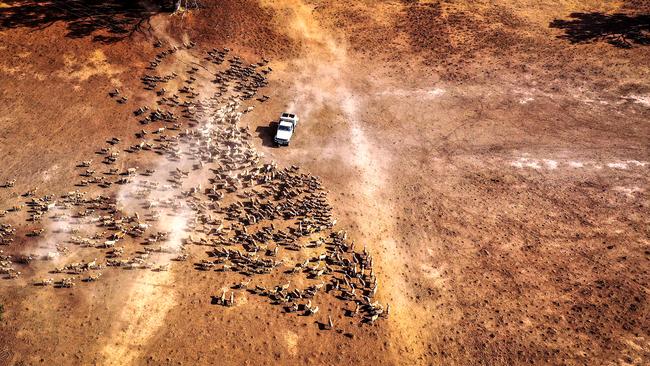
[267, 133]
[620, 30]
[106, 21]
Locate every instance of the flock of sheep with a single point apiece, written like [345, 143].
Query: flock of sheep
[204, 186]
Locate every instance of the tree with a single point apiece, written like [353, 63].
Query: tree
[178, 5]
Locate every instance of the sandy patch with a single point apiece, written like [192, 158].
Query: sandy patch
[95, 65]
[628, 191]
[552, 164]
[47, 175]
[144, 312]
[415, 93]
[291, 340]
[643, 100]
[526, 163]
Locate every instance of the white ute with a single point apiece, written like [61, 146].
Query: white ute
[288, 123]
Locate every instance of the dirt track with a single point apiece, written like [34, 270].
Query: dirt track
[497, 173]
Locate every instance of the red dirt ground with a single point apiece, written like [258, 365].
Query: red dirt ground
[496, 168]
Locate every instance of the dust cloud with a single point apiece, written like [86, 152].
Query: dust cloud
[326, 71]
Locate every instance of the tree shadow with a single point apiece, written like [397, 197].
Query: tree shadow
[106, 21]
[620, 30]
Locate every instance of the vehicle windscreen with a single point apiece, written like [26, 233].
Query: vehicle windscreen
[284, 128]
